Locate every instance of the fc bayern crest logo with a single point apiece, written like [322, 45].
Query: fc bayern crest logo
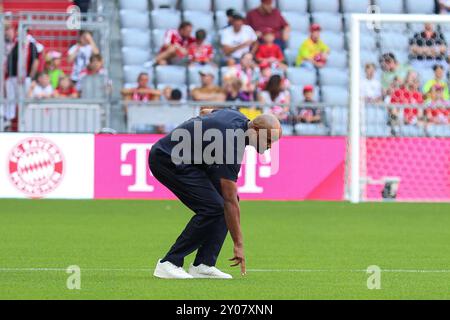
[36, 166]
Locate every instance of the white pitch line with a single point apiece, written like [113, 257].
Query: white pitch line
[249, 270]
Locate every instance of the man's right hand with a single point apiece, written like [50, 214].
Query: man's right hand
[239, 258]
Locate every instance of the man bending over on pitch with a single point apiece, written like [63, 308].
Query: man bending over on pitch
[199, 162]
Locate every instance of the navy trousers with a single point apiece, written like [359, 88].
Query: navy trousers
[207, 230]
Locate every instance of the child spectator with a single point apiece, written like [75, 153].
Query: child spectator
[370, 86]
[52, 64]
[176, 44]
[66, 89]
[94, 67]
[313, 52]
[41, 89]
[199, 52]
[233, 90]
[269, 52]
[247, 72]
[392, 70]
[408, 94]
[438, 111]
[438, 79]
[309, 114]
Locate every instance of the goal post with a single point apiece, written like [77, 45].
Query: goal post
[360, 174]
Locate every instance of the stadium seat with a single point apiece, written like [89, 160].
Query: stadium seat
[324, 6]
[376, 116]
[297, 21]
[416, 27]
[378, 131]
[367, 41]
[425, 74]
[139, 5]
[197, 5]
[333, 39]
[194, 76]
[411, 131]
[175, 75]
[335, 95]
[369, 56]
[394, 27]
[252, 4]
[136, 38]
[436, 130]
[394, 41]
[158, 39]
[423, 6]
[237, 5]
[290, 55]
[297, 94]
[288, 129]
[132, 72]
[337, 119]
[200, 20]
[134, 19]
[164, 4]
[135, 56]
[299, 6]
[334, 76]
[296, 39]
[328, 21]
[311, 129]
[390, 6]
[165, 19]
[301, 76]
[337, 59]
[355, 6]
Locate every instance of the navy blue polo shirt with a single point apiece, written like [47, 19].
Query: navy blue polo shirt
[224, 121]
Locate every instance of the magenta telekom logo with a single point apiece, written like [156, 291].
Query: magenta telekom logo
[36, 166]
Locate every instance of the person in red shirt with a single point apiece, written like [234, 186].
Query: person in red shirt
[409, 93]
[199, 52]
[269, 52]
[176, 44]
[65, 89]
[266, 16]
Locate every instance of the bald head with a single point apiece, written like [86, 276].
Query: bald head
[265, 130]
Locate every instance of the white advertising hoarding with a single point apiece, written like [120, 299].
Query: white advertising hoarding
[53, 166]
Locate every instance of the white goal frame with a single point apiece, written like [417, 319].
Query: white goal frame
[354, 137]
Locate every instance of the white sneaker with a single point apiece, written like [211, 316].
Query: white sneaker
[168, 270]
[203, 271]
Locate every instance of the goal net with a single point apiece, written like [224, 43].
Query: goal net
[399, 132]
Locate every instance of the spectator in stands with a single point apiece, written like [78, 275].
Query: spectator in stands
[41, 88]
[408, 94]
[371, 89]
[392, 70]
[95, 67]
[276, 93]
[428, 48]
[230, 13]
[199, 52]
[309, 114]
[170, 94]
[52, 67]
[248, 73]
[176, 44]
[438, 111]
[142, 92]
[12, 57]
[313, 52]
[237, 40]
[80, 53]
[439, 75]
[266, 16]
[234, 92]
[65, 89]
[269, 52]
[208, 91]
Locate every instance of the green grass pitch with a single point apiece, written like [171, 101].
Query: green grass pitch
[295, 250]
